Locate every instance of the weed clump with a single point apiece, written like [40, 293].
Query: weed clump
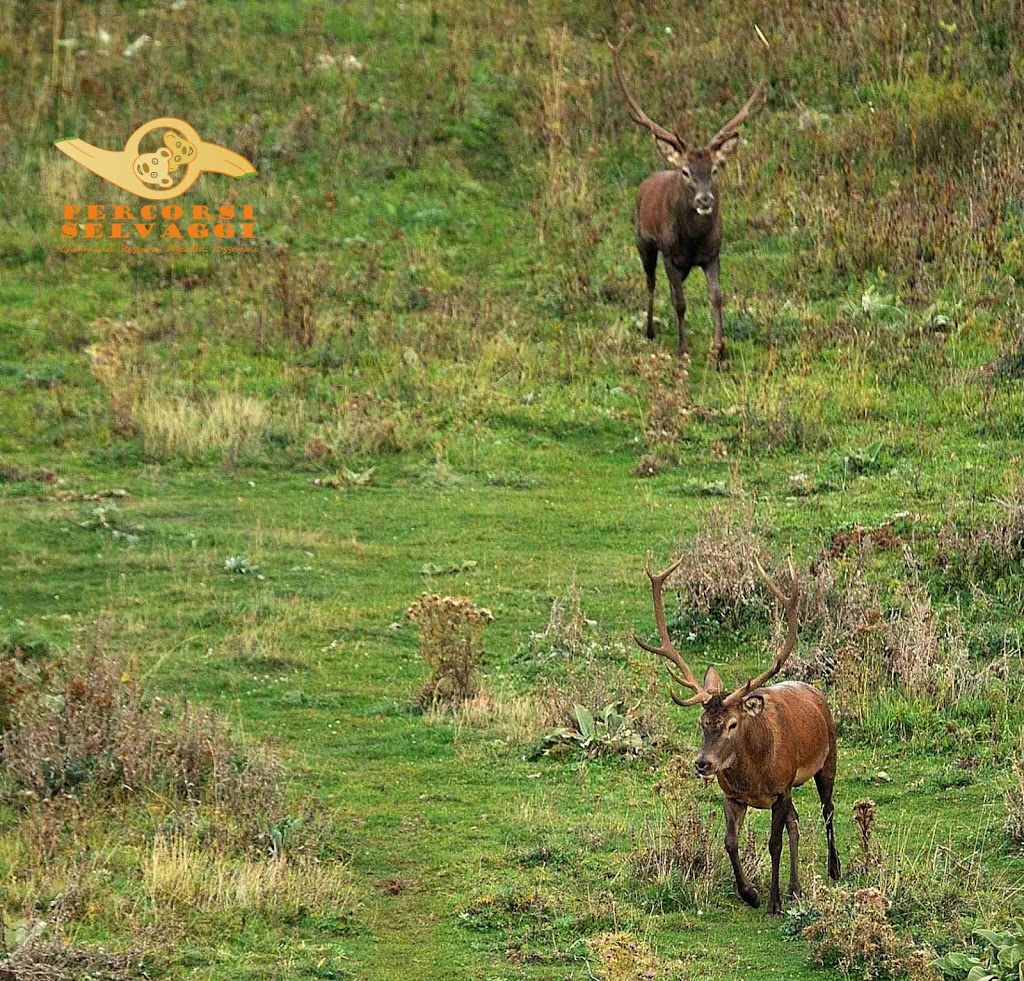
[451, 630]
[1014, 798]
[864, 813]
[681, 844]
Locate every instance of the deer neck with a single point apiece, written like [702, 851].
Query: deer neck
[745, 777]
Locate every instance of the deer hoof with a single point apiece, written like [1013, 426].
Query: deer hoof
[834, 869]
[774, 907]
[751, 896]
[794, 894]
[718, 354]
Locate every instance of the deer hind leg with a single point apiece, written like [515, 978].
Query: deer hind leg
[780, 814]
[649, 257]
[825, 780]
[735, 812]
[793, 831]
[676, 278]
[715, 295]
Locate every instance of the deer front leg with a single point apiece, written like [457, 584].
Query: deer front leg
[735, 812]
[715, 295]
[676, 278]
[793, 831]
[780, 814]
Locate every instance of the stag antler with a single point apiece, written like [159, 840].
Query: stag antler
[789, 602]
[728, 131]
[666, 649]
[639, 116]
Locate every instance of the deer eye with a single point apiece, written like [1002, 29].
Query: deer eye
[732, 725]
[685, 171]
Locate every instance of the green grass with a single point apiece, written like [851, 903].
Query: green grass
[457, 218]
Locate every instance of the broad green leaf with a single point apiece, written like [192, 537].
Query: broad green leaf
[585, 721]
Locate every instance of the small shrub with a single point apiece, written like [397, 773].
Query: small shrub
[451, 630]
[852, 933]
[89, 725]
[596, 679]
[864, 812]
[718, 576]
[919, 657]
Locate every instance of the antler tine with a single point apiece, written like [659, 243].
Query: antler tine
[730, 128]
[639, 116]
[790, 602]
[666, 649]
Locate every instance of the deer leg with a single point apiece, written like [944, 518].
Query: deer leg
[825, 780]
[735, 812]
[793, 831]
[649, 257]
[715, 295]
[676, 278]
[780, 812]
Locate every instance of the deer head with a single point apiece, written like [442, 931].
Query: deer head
[697, 167]
[725, 721]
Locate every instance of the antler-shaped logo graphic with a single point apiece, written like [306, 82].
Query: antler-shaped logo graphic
[149, 175]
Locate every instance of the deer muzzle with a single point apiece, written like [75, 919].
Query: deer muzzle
[704, 203]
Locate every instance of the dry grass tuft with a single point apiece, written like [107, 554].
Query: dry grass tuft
[230, 426]
[622, 957]
[177, 872]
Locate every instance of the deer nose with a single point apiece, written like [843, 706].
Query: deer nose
[703, 767]
[704, 200]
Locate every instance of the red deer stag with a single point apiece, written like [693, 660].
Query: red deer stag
[677, 210]
[760, 743]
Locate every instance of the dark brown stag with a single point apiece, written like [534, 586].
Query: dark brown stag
[760, 743]
[677, 210]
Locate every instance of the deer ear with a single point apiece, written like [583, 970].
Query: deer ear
[712, 680]
[753, 705]
[669, 153]
[726, 149]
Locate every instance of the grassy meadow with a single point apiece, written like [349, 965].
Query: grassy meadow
[225, 479]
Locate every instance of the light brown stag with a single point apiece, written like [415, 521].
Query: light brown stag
[677, 210]
[760, 743]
